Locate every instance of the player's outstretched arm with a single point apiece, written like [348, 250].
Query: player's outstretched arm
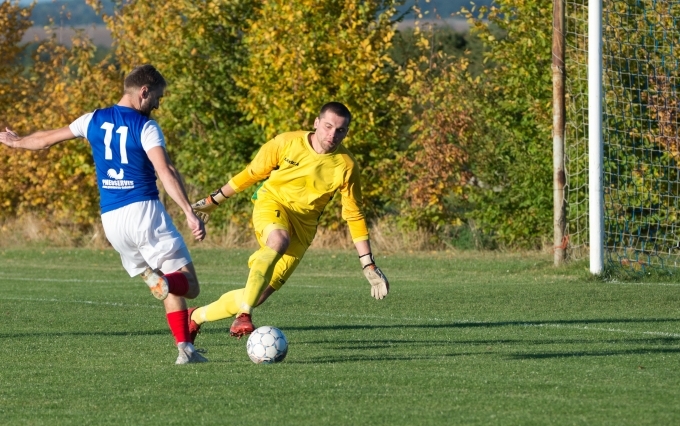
[259, 169]
[36, 141]
[207, 205]
[172, 182]
[379, 284]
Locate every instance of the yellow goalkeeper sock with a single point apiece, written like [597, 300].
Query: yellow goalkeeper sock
[261, 271]
[224, 307]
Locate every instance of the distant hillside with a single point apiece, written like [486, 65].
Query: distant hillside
[445, 8]
[81, 14]
[74, 13]
[99, 34]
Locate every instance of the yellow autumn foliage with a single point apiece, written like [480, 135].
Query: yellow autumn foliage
[58, 184]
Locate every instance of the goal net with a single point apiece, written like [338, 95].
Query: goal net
[641, 148]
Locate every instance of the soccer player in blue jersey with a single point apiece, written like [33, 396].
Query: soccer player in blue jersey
[128, 148]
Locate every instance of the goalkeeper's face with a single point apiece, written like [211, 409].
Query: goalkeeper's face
[331, 129]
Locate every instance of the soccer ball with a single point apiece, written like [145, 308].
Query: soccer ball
[267, 345]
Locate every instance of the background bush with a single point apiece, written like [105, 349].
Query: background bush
[451, 130]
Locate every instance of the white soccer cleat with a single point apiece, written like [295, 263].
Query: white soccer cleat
[188, 354]
[157, 284]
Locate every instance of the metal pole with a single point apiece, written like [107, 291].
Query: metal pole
[595, 193]
[559, 179]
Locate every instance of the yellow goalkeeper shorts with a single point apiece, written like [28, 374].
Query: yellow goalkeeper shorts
[269, 215]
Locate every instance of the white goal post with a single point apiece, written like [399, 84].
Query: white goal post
[595, 194]
[621, 142]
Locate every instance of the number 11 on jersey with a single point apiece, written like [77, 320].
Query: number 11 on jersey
[122, 130]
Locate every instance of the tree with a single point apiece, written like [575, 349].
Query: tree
[198, 47]
[305, 53]
[14, 21]
[63, 83]
[515, 204]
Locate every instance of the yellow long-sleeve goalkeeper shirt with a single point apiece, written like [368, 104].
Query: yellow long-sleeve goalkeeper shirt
[304, 181]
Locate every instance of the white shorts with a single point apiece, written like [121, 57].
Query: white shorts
[143, 234]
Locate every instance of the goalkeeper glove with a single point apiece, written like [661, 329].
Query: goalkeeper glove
[207, 205]
[379, 284]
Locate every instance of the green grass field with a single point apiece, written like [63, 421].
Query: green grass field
[462, 339]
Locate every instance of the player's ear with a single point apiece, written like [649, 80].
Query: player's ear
[144, 91]
[316, 122]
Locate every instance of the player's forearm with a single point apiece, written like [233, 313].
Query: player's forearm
[36, 141]
[172, 183]
[227, 190]
[363, 247]
[358, 229]
[351, 212]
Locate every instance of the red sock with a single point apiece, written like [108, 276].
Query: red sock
[178, 284]
[179, 325]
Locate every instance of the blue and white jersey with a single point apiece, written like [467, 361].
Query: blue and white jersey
[120, 137]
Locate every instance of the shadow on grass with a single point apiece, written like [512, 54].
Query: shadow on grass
[15, 335]
[642, 351]
[492, 344]
[384, 349]
[513, 357]
[347, 344]
[465, 324]
[493, 348]
[207, 329]
[369, 358]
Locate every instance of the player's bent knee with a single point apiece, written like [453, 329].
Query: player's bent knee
[194, 289]
[278, 240]
[192, 294]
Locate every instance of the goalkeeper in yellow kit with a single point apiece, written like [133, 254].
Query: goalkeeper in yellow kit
[301, 171]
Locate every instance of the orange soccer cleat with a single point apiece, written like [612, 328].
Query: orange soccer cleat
[194, 328]
[242, 326]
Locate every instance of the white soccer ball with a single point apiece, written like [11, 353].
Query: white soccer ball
[267, 345]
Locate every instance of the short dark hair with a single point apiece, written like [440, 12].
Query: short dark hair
[144, 75]
[338, 109]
